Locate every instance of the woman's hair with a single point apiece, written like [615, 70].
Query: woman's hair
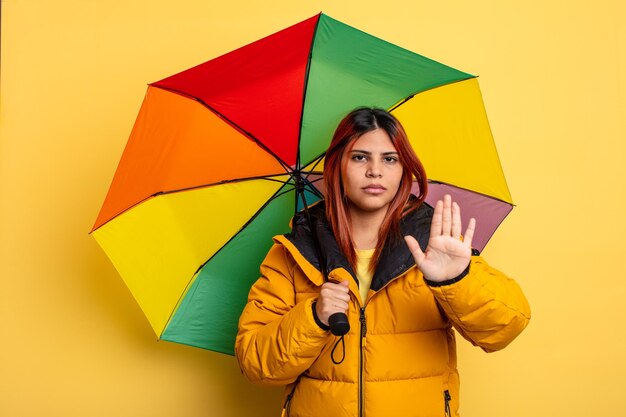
[353, 126]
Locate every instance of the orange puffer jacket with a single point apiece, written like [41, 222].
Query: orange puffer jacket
[400, 355]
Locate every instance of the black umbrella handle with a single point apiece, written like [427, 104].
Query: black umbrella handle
[339, 324]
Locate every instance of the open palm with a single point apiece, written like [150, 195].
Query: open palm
[447, 254]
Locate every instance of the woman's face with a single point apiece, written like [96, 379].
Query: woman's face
[371, 172]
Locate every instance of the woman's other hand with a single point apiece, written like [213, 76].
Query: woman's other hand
[447, 254]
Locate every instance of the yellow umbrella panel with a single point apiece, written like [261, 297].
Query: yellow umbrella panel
[450, 133]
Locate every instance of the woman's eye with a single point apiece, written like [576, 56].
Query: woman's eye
[358, 157]
[391, 159]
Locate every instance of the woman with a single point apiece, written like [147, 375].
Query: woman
[402, 296]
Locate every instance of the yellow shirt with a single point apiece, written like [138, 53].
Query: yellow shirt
[363, 257]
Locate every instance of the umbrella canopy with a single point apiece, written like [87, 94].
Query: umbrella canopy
[212, 166]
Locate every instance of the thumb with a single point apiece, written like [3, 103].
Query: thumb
[415, 249]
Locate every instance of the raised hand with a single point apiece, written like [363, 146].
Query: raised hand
[447, 255]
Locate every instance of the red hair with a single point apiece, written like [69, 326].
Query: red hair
[354, 125]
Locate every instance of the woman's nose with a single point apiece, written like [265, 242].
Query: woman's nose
[373, 170]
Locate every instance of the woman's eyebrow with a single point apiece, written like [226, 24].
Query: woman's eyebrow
[369, 153]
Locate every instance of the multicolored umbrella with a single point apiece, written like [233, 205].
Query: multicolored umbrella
[212, 166]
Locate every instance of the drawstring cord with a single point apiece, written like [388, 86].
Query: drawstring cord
[343, 351]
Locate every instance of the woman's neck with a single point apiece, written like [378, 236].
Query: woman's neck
[365, 227]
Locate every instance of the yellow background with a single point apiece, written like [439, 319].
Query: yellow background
[73, 341]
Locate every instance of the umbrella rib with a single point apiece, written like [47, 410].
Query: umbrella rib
[262, 177]
[192, 280]
[306, 87]
[314, 190]
[231, 123]
[317, 161]
[315, 180]
[254, 216]
[158, 193]
[282, 193]
[404, 100]
[472, 191]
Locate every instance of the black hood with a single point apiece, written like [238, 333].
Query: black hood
[394, 260]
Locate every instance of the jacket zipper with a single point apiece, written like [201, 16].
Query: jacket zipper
[287, 406]
[363, 343]
[447, 398]
[361, 364]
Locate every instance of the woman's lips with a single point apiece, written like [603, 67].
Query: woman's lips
[374, 189]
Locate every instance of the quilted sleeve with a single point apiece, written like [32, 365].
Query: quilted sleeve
[277, 339]
[485, 306]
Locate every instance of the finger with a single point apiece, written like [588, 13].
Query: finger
[435, 225]
[447, 215]
[456, 221]
[341, 286]
[469, 233]
[329, 288]
[341, 296]
[337, 303]
[341, 305]
[415, 249]
[332, 289]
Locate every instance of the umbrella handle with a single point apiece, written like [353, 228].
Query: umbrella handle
[339, 324]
